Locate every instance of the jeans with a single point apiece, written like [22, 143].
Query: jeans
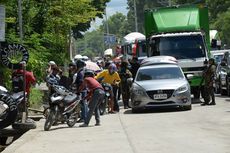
[84, 106]
[116, 106]
[97, 98]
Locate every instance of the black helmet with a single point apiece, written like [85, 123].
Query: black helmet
[80, 64]
[89, 73]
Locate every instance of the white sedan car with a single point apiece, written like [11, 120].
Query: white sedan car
[158, 85]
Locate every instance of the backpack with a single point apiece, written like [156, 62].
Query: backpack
[17, 82]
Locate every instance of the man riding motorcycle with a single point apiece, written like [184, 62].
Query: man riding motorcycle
[111, 77]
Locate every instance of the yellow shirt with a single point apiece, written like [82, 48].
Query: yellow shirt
[108, 78]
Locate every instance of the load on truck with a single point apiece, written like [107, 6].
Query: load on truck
[181, 32]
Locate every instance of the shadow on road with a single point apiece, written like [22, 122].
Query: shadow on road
[156, 110]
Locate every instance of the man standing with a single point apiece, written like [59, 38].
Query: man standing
[124, 75]
[208, 75]
[95, 96]
[80, 64]
[111, 77]
[134, 66]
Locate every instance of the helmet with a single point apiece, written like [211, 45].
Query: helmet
[77, 57]
[52, 63]
[89, 73]
[80, 64]
[107, 64]
[85, 58]
[112, 67]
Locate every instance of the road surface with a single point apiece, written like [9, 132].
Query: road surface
[204, 129]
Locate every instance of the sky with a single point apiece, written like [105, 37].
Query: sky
[112, 7]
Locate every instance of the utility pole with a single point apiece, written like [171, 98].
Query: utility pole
[107, 24]
[20, 19]
[135, 15]
[170, 2]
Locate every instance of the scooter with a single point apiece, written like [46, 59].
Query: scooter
[9, 106]
[102, 107]
[64, 106]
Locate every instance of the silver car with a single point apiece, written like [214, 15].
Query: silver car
[160, 85]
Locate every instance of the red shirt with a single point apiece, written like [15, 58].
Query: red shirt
[90, 84]
[30, 79]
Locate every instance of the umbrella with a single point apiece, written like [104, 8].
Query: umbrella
[92, 66]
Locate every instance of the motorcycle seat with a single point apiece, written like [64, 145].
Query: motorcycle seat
[17, 96]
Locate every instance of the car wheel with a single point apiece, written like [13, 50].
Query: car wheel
[187, 108]
[135, 110]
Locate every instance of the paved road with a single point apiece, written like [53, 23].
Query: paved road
[205, 129]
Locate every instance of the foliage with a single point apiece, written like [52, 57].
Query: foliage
[36, 98]
[93, 42]
[47, 26]
[222, 24]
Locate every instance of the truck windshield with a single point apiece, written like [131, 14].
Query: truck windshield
[181, 47]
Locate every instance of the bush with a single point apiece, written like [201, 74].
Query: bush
[36, 98]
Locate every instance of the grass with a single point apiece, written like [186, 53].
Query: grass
[36, 98]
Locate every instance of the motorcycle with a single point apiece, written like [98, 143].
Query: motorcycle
[64, 106]
[102, 107]
[9, 106]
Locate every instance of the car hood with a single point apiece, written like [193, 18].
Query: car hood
[161, 84]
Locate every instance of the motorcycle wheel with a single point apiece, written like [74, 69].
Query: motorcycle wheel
[103, 105]
[49, 120]
[72, 119]
[9, 119]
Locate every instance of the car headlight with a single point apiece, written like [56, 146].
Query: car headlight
[182, 89]
[138, 91]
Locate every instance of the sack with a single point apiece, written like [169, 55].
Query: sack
[17, 82]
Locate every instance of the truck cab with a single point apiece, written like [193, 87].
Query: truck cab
[181, 32]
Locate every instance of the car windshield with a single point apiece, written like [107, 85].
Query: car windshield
[181, 47]
[159, 73]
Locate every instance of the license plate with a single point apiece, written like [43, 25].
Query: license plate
[160, 96]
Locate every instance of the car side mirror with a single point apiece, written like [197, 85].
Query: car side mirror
[130, 81]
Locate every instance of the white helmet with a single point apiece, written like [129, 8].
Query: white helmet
[85, 58]
[52, 63]
[78, 57]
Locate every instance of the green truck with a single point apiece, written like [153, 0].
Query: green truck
[181, 32]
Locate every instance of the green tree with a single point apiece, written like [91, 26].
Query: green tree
[47, 26]
[93, 42]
